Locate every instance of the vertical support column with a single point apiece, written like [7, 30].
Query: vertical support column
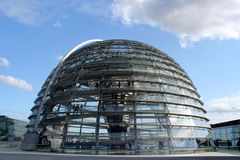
[98, 118]
[135, 125]
[80, 131]
[170, 148]
[65, 129]
[66, 122]
[97, 125]
[168, 125]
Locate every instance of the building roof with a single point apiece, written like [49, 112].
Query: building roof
[228, 123]
[6, 117]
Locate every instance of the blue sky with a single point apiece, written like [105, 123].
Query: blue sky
[202, 36]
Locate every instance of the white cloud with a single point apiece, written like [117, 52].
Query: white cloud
[95, 7]
[224, 109]
[225, 104]
[33, 12]
[24, 11]
[12, 81]
[189, 20]
[4, 62]
[222, 116]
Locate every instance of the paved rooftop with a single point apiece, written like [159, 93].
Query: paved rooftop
[23, 155]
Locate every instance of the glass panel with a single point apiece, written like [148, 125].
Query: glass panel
[185, 144]
[183, 132]
[201, 133]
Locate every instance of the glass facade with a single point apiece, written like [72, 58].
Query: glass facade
[226, 135]
[120, 95]
[11, 129]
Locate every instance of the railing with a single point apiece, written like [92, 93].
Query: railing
[10, 144]
[227, 148]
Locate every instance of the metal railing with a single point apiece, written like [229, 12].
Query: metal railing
[10, 144]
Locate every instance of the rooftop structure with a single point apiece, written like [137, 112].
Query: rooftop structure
[226, 135]
[118, 96]
[227, 123]
[11, 129]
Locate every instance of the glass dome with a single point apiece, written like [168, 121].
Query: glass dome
[119, 96]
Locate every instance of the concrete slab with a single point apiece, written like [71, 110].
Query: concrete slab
[23, 155]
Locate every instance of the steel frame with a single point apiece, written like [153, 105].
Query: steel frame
[120, 95]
